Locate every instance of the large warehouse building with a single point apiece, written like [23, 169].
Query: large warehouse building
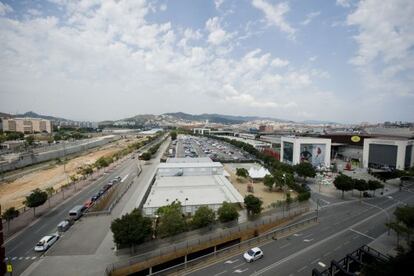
[194, 182]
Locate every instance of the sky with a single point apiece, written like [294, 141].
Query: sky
[346, 60]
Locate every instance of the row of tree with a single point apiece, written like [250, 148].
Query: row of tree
[346, 183]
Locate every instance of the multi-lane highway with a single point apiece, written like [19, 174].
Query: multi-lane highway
[343, 228]
[19, 249]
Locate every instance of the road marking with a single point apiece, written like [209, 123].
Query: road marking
[308, 240]
[20, 258]
[297, 235]
[240, 271]
[302, 269]
[239, 265]
[314, 261]
[337, 248]
[326, 254]
[33, 258]
[14, 258]
[220, 273]
[283, 246]
[321, 264]
[345, 243]
[27, 258]
[231, 261]
[307, 235]
[362, 234]
[125, 177]
[356, 237]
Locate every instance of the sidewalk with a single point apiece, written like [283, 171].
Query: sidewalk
[386, 244]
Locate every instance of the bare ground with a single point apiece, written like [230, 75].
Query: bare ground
[13, 193]
[259, 189]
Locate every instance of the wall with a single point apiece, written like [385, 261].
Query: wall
[298, 141]
[34, 158]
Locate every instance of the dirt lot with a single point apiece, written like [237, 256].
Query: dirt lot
[13, 193]
[260, 190]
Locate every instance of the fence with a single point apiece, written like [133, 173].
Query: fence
[219, 234]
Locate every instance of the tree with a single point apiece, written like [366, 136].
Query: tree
[361, 185]
[305, 170]
[227, 212]
[173, 135]
[304, 196]
[9, 215]
[50, 191]
[131, 229]
[172, 221]
[344, 183]
[373, 185]
[289, 200]
[29, 139]
[146, 156]
[203, 217]
[253, 204]
[269, 181]
[280, 179]
[242, 172]
[35, 199]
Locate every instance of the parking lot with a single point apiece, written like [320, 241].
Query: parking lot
[192, 146]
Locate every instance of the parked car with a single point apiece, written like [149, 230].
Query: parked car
[118, 178]
[101, 192]
[76, 212]
[46, 242]
[88, 204]
[366, 194]
[63, 225]
[253, 254]
[95, 197]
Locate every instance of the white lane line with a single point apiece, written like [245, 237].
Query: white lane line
[231, 261]
[321, 264]
[307, 235]
[20, 258]
[308, 240]
[27, 258]
[239, 265]
[356, 237]
[362, 234]
[33, 258]
[326, 254]
[297, 235]
[240, 271]
[283, 246]
[220, 273]
[316, 260]
[337, 248]
[302, 269]
[125, 177]
[14, 258]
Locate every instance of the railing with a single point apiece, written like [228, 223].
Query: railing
[208, 238]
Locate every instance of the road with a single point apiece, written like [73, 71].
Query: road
[19, 250]
[343, 228]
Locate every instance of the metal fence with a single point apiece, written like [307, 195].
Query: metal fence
[208, 238]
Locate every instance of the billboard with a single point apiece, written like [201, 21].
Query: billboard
[288, 152]
[313, 153]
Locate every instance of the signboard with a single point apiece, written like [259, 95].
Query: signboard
[313, 153]
[355, 138]
[9, 268]
[287, 152]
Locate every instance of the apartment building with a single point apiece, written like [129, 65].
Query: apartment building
[26, 125]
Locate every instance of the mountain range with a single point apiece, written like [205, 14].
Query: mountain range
[144, 119]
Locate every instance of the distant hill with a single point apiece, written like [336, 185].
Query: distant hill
[316, 122]
[6, 115]
[32, 114]
[219, 118]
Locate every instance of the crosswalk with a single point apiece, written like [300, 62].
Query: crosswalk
[25, 258]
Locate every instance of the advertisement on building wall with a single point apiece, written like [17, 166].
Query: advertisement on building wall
[313, 153]
[288, 152]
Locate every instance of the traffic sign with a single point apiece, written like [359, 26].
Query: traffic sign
[9, 268]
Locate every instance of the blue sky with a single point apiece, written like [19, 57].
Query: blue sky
[343, 60]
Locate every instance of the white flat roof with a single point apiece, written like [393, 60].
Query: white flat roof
[189, 160]
[198, 190]
[190, 165]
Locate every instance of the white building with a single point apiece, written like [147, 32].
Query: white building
[316, 151]
[388, 153]
[194, 184]
[201, 131]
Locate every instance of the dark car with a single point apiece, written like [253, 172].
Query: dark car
[306, 187]
[366, 194]
[95, 197]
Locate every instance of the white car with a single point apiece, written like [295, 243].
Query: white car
[46, 242]
[253, 254]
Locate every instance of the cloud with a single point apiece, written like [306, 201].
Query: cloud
[310, 17]
[385, 42]
[163, 7]
[344, 3]
[277, 62]
[275, 15]
[218, 3]
[4, 9]
[107, 60]
[217, 34]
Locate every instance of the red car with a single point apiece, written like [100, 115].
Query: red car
[88, 204]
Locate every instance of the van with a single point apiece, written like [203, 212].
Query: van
[76, 212]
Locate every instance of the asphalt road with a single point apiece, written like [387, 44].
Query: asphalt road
[343, 228]
[19, 250]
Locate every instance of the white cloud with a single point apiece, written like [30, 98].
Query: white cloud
[344, 3]
[217, 34]
[313, 58]
[163, 7]
[4, 9]
[110, 54]
[310, 17]
[218, 3]
[385, 42]
[275, 15]
[277, 62]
